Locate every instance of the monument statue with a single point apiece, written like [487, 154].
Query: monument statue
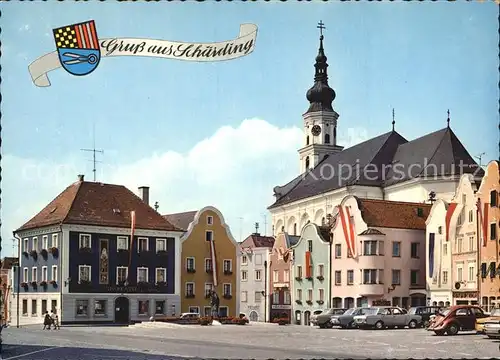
[214, 304]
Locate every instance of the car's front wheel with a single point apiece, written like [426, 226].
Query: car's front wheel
[379, 325]
[328, 325]
[452, 329]
[412, 324]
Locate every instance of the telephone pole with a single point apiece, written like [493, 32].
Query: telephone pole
[94, 151]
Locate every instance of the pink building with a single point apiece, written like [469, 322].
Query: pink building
[378, 253]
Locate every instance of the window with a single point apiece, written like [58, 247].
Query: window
[25, 245]
[34, 274]
[82, 307]
[396, 277]
[299, 294]
[445, 249]
[208, 289]
[223, 311]
[190, 289]
[370, 247]
[414, 277]
[34, 244]
[207, 311]
[209, 235]
[493, 231]
[415, 250]
[258, 275]
[299, 271]
[309, 294]
[210, 220]
[53, 305]
[25, 275]
[472, 275]
[258, 296]
[244, 297]
[194, 309]
[244, 260]
[161, 245]
[286, 276]
[84, 273]
[85, 242]
[287, 298]
[244, 275]
[121, 243]
[350, 277]
[143, 306]
[142, 244]
[459, 220]
[161, 275]
[208, 265]
[258, 259]
[55, 242]
[100, 307]
[459, 245]
[369, 276]
[226, 288]
[471, 216]
[440, 230]
[276, 276]
[44, 306]
[321, 293]
[493, 198]
[471, 243]
[338, 277]
[45, 242]
[276, 297]
[310, 245]
[142, 274]
[44, 273]
[159, 307]
[396, 249]
[338, 251]
[381, 276]
[228, 266]
[25, 307]
[121, 274]
[381, 247]
[321, 270]
[445, 277]
[33, 307]
[459, 274]
[190, 265]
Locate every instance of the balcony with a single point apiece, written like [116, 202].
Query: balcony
[371, 289]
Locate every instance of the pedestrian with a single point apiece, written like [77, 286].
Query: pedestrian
[47, 321]
[55, 320]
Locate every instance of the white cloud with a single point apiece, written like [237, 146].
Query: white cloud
[234, 170]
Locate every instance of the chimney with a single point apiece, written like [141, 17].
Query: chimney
[144, 194]
[80, 178]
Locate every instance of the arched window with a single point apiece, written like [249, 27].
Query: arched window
[307, 163]
[307, 140]
[327, 138]
[334, 135]
[295, 229]
[493, 198]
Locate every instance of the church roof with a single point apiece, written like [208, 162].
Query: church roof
[393, 214]
[97, 204]
[381, 161]
[181, 220]
[256, 240]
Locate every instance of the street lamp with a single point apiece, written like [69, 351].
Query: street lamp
[265, 291]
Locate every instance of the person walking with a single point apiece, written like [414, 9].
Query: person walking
[55, 320]
[47, 321]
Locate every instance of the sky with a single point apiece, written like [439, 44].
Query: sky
[225, 133]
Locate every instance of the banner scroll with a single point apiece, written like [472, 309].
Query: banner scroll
[243, 45]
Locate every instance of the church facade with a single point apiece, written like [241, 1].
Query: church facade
[386, 167]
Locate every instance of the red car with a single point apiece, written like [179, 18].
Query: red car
[456, 318]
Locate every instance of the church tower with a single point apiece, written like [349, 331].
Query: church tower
[320, 120]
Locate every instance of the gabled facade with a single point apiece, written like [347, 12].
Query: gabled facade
[488, 226]
[254, 259]
[209, 262]
[311, 275]
[280, 284]
[378, 253]
[461, 224]
[438, 248]
[81, 258]
[6, 283]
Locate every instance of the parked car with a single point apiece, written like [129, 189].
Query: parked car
[425, 312]
[189, 318]
[456, 318]
[346, 320]
[494, 315]
[386, 317]
[323, 320]
[492, 329]
[312, 319]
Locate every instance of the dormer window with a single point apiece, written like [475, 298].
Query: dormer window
[493, 198]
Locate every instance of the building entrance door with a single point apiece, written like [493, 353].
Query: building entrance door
[122, 310]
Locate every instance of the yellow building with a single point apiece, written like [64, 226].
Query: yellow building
[209, 261]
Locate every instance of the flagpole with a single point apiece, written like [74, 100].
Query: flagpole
[479, 265]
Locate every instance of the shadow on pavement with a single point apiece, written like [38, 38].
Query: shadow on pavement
[36, 352]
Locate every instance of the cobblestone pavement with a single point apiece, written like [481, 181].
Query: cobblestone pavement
[258, 341]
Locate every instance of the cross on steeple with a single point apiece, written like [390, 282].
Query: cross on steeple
[393, 121]
[321, 26]
[448, 120]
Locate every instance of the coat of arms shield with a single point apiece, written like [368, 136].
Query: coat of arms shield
[78, 47]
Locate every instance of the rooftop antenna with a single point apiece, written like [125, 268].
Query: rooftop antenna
[265, 224]
[156, 206]
[94, 151]
[480, 157]
[256, 227]
[393, 121]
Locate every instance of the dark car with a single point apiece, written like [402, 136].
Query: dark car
[323, 320]
[456, 318]
[425, 312]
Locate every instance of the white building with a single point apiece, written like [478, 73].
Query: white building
[254, 271]
[386, 167]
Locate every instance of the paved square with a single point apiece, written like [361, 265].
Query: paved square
[259, 341]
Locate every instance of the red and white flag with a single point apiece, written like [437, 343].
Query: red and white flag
[132, 231]
[214, 262]
[348, 230]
